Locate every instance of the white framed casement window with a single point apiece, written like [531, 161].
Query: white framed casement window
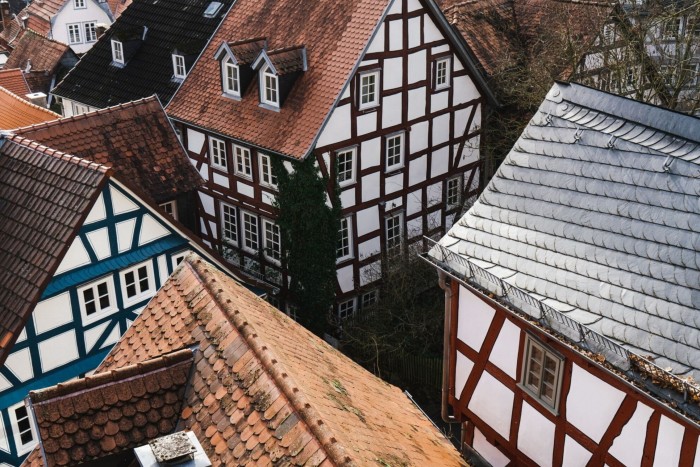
[442, 73]
[179, 66]
[272, 241]
[229, 224]
[231, 78]
[74, 34]
[345, 162]
[369, 298]
[97, 299]
[250, 232]
[217, 150]
[244, 166]
[267, 177]
[90, 29]
[393, 230]
[79, 109]
[368, 89]
[269, 87]
[347, 308]
[453, 192]
[542, 373]
[394, 151]
[22, 426]
[344, 250]
[79, 4]
[138, 283]
[170, 208]
[117, 52]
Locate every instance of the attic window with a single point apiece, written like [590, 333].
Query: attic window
[212, 9]
[179, 66]
[269, 87]
[79, 4]
[231, 75]
[117, 52]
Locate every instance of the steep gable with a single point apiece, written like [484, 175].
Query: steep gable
[16, 112]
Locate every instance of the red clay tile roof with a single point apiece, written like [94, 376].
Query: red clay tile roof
[118, 6]
[12, 32]
[265, 390]
[111, 412]
[45, 54]
[16, 112]
[335, 34]
[40, 13]
[13, 80]
[136, 139]
[44, 196]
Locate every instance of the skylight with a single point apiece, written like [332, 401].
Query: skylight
[212, 9]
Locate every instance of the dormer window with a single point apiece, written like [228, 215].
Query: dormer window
[270, 88]
[79, 4]
[179, 66]
[235, 59]
[117, 52]
[231, 78]
[277, 71]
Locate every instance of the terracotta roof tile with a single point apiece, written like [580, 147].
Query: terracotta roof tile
[334, 33]
[136, 139]
[13, 80]
[16, 112]
[45, 54]
[12, 32]
[30, 175]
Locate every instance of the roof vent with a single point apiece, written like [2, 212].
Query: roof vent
[181, 449]
[212, 9]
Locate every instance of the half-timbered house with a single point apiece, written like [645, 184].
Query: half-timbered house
[572, 332]
[380, 94]
[81, 253]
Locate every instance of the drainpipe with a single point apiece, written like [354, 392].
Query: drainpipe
[446, 417]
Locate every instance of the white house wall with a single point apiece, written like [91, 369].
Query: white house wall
[71, 15]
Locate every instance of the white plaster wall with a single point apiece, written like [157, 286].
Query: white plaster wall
[417, 66]
[414, 227]
[391, 110]
[366, 123]
[376, 45]
[195, 141]
[414, 202]
[396, 34]
[99, 241]
[439, 161]
[434, 194]
[488, 451]
[393, 183]
[367, 220]
[337, 128]
[416, 103]
[345, 279]
[417, 169]
[369, 247]
[395, 8]
[347, 197]
[430, 31]
[92, 335]
[463, 368]
[536, 436]
[473, 319]
[162, 269]
[151, 230]
[76, 256]
[370, 186]
[505, 351]
[575, 455]
[125, 234]
[668, 442]
[393, 77]
[413, 5]
[370, 273]
[221, 180]
[370, 149]
[97, 212]
[50, 358]
[120, 203]
[439, 101]
[52, 313]
[207, 203]
[20, 364]
[414, 25]
[464, 89]
[591, 415]
[245, 189]
[419, 136]
[628, 447]
[69, 15]
[492, 402]
[441, 129]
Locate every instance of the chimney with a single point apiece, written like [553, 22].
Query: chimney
[181, 449]
[28, 66]
[100, 28]
[37, 98]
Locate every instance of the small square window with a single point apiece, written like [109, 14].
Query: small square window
[179, 66]
[170, 208]
[243, 162]
[231, 80]
[22, 428]
[453, 192]
[117, 52]
[97, 300]
[542, 373]
[90, 31]
[671, 28]
[74, 35]
[138, 283]
[345, 161]
[229, 224]
[347, 308]
[79, 4]
[270, 91]
[394, 152]
[369, 298]
[442, 73]
[394, 233]
[250, 232]
[272, 241]
[217, 149]
[369, 90]
[267, 177]
[344, 250]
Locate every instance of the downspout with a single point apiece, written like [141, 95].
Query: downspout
[446, 417]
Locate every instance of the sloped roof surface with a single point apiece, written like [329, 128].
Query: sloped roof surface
[595, 212]
[44, 195]
[12, 32]
[110, 412]
[13, 80]
[40, 13]
[171, 24]
[45, 54]
[264, 390]
[16, 112]
[334, 33]
[136, 139]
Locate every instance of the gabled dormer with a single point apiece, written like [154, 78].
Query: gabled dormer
[278, 70]
[183, 57]
[235, 59]
[126, 43]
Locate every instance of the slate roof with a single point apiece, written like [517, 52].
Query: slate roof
[44, 196]
[335, 35]
[45, 54]
[266, 391]
[136, 139]
[110, 412]
[13, 80]
[171, 24]
[595, 213]
[16, 112]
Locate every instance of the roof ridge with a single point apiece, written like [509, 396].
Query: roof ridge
[117, 375]
[38, 147]
[15, 96]
[46, 37]
[276, 369]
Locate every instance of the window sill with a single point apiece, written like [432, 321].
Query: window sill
[393, 170]
[536, 398]
[368, 109]
[267, 106]
[233, 97]
[344, 259]
[441, 89]
[219, 168]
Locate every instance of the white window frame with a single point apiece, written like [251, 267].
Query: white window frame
[369, 298]
[217, 153]
[267, 177]
[100, 312]
[242, 161]
[445, 83]
[170, 208]
[269, 92]
[449, 203]
[536, 390]
[117, 52]
[177, 258]
[79, 109]
[251, 240]
[142, 294]
[22, 448]
[365, 90]
[229, 217]
[91, 27]
[350, 178]
[79, 4]
[227, 69]
[402, 146]
[76, 27]
[347, 308]
[179, 70]
[391, 247]
[269, 244]
[344, 241]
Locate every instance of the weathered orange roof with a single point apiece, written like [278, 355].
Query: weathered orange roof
[15, 112]
[45, 54]
[13, 80]
[334, 34]
[40, 13]
[265, 390]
